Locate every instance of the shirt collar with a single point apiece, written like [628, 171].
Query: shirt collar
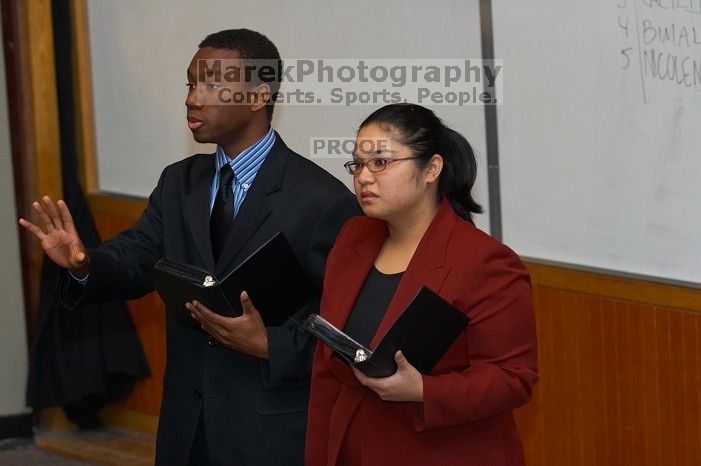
[246, 164]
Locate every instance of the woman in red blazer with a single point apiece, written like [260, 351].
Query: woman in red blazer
[413, 176]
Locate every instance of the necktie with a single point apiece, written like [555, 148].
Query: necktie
[223, 211]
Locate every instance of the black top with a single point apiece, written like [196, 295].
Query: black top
[371, 305]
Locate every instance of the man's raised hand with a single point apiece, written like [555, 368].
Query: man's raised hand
[58, 236]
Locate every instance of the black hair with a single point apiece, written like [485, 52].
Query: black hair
[251, 45]
[425, 134]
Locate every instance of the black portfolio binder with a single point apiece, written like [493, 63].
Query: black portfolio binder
[423, 332]
[271, 275]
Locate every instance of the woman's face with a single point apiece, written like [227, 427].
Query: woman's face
[401, 189]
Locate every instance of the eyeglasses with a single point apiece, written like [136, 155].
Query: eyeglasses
[375, 165]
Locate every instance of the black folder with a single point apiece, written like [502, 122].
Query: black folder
[423, 332]
[271, 275]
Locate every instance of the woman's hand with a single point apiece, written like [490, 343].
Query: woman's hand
[406, 384]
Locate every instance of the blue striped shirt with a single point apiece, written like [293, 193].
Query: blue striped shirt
[245, 166]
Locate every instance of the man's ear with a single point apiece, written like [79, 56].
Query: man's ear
[261, 96]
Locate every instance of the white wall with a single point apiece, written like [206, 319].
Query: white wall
[13, 342]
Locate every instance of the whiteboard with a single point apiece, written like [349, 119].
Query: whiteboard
[140, 51]
[600, 151]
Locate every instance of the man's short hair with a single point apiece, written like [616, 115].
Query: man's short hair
[250, 45]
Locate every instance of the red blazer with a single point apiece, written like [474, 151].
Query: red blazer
[466, 417]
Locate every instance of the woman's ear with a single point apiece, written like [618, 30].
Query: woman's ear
[434, 168]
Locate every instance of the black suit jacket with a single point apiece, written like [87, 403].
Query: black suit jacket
[254, 409]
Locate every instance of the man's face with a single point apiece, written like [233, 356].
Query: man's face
[210, 115]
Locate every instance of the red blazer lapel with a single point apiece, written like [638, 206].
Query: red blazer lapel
[356, 264]
[427, 267]
[354, 269]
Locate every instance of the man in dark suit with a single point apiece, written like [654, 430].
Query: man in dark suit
[237, 392]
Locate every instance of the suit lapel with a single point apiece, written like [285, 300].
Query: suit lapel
[255, 208]
[427, 267]
[356, 266]
[197, 205]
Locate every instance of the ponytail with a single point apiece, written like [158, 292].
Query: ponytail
[459, 174]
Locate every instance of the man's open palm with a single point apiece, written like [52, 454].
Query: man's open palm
[58, 236]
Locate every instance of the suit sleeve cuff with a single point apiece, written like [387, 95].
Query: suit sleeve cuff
[81, 281]
[289, 356]
[426, 416]
[69, 290]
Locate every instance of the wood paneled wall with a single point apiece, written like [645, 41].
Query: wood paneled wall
[620, 364]
[141, 409]
[620, 383]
